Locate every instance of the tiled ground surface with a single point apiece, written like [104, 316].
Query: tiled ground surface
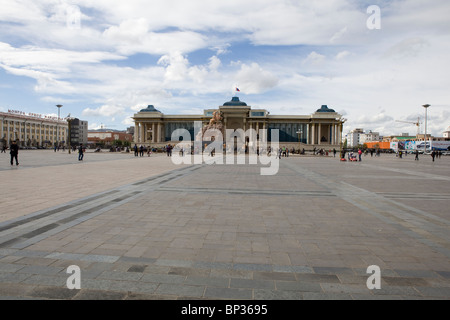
[226, 232]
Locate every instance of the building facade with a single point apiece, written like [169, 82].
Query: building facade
[369, 137]
[354, 137]
[78, 132]
[109, 137]
[32, 130]
[321, 129]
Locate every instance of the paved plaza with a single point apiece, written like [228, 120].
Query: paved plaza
[145, 228]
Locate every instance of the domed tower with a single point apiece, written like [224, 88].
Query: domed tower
[235, 113]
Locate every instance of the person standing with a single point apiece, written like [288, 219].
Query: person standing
[80, 152]
[417, 155]
[14, 151]
[135, 150]
[359, 154]
[433, 154]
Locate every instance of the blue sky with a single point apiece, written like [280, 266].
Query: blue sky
[105, 60]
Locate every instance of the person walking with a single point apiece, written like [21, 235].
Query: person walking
[433, 154]
[359, 154]
[417, 155]
[4, 148]
[80, 152]
[135, 150]
[14, 151]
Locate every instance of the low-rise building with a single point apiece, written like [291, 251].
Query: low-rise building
[109, 137]
[32, 129]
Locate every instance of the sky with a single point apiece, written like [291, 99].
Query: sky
[375, 62]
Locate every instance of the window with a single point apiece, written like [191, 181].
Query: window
[257, 113]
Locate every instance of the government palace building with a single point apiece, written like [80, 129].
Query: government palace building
[319, 130]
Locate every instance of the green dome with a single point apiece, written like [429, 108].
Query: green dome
[150, 108]
[235, 103]
[325, 108]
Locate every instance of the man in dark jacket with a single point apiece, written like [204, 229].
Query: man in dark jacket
[14, 152]
[80, 152]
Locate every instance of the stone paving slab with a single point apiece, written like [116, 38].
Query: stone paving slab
[226, 232]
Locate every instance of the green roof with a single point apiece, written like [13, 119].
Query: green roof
[150, 108]
[235, 103]
[325, 108]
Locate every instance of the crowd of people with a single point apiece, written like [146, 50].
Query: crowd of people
[281, 152]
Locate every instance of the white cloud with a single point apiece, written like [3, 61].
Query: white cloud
[253, 79]
[315, 52]
[342, 55]
[314, 58]
[104, 111]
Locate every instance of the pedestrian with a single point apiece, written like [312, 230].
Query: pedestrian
[433, 154]
[4, 148]
[135, 148]
[334, 152]
[141, 150]
[417, 155]
[80, 152]
[14, 151]
[359, 154]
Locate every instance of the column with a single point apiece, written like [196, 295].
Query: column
[141, 133]
[158, 138]
[332, 133]
[136, 132]
[313, 133]
[40, 134]
[319, 133]
[336, 137]
[145, 131]
[25, 133]
[20, 132]
[153, 133]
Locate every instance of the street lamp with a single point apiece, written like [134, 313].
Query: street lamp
[57, 124]
[425, 136]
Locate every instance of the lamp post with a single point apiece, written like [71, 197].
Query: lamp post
[425, 136]
[57, 125]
